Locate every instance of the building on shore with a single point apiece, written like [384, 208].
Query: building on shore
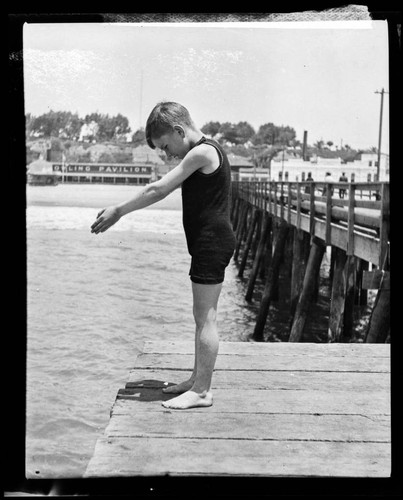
[237, 164]
[108, 173]
[296, 169]
[143, 166]
[41, 173]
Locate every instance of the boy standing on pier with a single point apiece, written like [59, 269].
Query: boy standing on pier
[205, 176]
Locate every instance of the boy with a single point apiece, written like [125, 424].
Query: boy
[205, 176]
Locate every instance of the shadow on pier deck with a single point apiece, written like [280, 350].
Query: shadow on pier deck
[280, 409]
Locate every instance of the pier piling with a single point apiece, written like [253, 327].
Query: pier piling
[379, 324]
[288, 226]
[308, 289]
[257, 262]
[242, 228]
[348, 327]
[271, 280]
[249, 239]
[301, 244]
[338, 295]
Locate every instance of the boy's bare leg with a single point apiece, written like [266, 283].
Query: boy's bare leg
[187, 384]
[205, 300]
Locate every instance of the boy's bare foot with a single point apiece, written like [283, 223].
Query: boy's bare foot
[179, 388]
[189, 399]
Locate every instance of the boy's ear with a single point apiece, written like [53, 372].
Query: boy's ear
[180, 130]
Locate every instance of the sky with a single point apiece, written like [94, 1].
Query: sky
[320, 77]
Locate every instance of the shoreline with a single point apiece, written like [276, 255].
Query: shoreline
[93, 196]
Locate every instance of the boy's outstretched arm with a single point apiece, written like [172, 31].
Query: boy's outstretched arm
[153, 192]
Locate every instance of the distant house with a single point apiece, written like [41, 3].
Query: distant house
[237, 162]
[88, 132]
[147, 156]
[370, 161]
[40, 173]
[144, 154]
[289, 154]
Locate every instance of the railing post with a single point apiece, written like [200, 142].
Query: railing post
[282, 200]
[350, 219]
[261, 195]
[312, 210]
[328, 215]
[384, 224]
[289, 203]
[299, 206]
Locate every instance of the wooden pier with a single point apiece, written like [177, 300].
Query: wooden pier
[293, 408]
[280, 409]
[291, 224]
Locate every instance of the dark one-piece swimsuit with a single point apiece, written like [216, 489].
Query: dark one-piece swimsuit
[206, 200]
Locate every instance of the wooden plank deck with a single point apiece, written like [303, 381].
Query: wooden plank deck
[280, 409]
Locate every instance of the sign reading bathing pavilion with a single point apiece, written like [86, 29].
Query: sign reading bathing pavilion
[115, 173]
[100, 168]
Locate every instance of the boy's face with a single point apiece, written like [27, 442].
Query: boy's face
[173, 144]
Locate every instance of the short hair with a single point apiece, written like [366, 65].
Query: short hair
[163, 118]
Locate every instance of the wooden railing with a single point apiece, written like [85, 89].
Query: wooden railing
[356, 220]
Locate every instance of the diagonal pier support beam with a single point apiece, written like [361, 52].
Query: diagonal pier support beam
[349, 301]
[301, 245]
[242, 227]
[249, 240]
[338, 296]
[379, 323]
[308, 289]
[271, 280]
[259, 257]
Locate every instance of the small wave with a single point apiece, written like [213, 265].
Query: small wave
[61, 425]
[79, 218]
[117, 270]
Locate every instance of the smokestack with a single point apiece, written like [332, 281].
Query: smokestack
[304, 155]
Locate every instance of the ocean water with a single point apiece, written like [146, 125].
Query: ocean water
[92, 300]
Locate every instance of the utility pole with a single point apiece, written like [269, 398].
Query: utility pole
[378, 167]
[282, 167]
[141, 98]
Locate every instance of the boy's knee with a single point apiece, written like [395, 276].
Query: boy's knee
[202, 317]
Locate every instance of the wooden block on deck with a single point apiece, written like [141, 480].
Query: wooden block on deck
[279, 410]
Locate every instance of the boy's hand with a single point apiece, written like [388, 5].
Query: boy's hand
[106, 218]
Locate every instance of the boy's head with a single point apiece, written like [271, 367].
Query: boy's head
[165, 118]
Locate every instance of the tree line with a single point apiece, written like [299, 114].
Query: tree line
[240, 138]
[67, 125]
[102, 127]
